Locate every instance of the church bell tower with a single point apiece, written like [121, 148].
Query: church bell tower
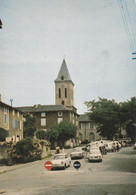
[64, 87]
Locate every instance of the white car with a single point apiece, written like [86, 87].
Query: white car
[94, 155]
[77, 153]
[61, 161]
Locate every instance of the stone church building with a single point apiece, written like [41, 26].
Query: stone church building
[48, 115]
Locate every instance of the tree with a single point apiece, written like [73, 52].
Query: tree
[131, 118]
[66, 131]
[41, 134]
[122, 116]
[104, 114]
[3, 134]
[29, 126]
[53, 133]
[62, 132]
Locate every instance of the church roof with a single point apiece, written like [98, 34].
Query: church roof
[84, 118]
[43, 108]
[63, 73]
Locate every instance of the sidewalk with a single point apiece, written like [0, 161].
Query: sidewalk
[5, 168]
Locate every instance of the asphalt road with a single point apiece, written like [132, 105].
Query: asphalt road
[116, 175]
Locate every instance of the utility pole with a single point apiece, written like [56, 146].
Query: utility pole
[11, 100]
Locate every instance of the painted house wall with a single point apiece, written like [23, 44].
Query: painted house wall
[13, 123]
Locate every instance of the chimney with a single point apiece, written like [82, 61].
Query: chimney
[36, 105]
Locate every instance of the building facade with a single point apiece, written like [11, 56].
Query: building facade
[48, 115]
[11, 119]
[87, 129]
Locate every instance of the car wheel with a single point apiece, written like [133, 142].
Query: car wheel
[65, 166]
[69, 163]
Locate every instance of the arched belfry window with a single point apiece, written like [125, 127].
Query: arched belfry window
[65, 92]
[62, 102]
[62, 78]
[59, 93]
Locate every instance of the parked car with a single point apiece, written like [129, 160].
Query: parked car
[77, 153]
[61, 161]
[110, 146]
[94, 155]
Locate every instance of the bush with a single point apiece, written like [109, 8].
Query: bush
[3, 134]
[24, 146]
[40, 134]
[26, 150]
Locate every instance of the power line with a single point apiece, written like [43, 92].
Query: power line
[128, 26]
[124, 21]
[130, 22]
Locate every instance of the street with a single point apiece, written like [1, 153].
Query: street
[116, 175]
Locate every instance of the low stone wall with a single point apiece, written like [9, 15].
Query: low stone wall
[5, 158]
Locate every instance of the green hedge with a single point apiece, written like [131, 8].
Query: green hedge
[3, 134]
[26, 150]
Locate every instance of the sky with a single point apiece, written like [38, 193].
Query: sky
[96, 38]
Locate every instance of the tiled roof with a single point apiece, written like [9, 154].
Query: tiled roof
[10, 107]
[42, 108]
[84, 117]
[63, 72]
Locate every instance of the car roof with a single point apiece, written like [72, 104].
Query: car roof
[60, 154]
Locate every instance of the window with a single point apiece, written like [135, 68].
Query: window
[5, 118]
[18, 113]
[62, 78]
[82, 125]
[59, 120]
[62, 102]
[60, 113]
[88, 125]
[59, 93]
[65, 92]
[43, 114]
[43, 121]
[15, 123]
[5, 109]
[19, 124]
